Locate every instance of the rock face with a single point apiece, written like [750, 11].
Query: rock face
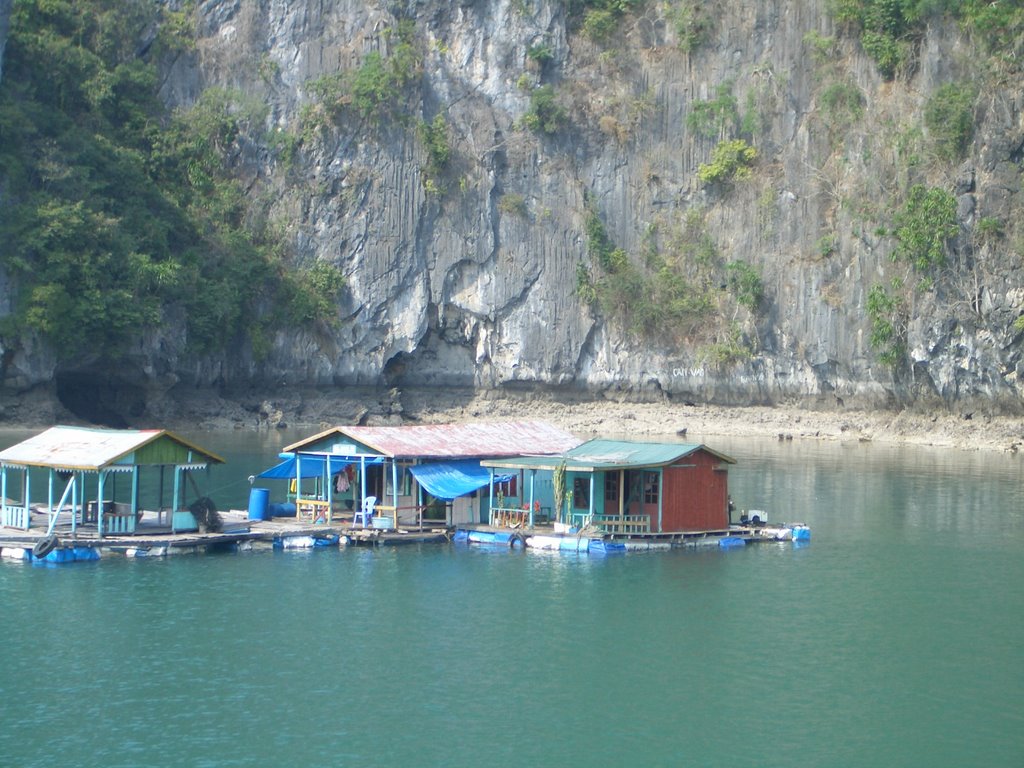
[5, 18]
[470, 277]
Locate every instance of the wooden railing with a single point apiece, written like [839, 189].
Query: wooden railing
[509, 517]
[623, 523]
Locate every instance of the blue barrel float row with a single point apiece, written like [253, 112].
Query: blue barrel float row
[54, 555]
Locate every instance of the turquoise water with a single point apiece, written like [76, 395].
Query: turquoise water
[894, 638]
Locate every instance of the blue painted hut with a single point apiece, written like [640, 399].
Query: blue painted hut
[405, 467]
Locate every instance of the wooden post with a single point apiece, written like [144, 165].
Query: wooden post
[176, 496]
[622, 492]
[160, 500]
[419, 502]
[533, 477]
[362, 485]
[329, 482]
[100, 482]
[661, 495]
[490, 498]
[135, 489]
[591, 510]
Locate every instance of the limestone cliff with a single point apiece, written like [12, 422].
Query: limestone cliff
[476, 272]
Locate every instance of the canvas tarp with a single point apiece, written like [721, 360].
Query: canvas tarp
[312, 466]
[448, 479]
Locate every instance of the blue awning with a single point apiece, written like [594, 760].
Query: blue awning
[312, 466]
[449, 479]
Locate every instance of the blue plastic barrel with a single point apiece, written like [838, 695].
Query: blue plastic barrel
[801, 533]
[286, 509]
[259, 500]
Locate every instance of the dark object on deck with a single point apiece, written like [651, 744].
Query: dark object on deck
[45, 546]
[206, 515]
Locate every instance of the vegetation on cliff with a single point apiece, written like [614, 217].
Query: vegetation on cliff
[732, 190]
[116, 211]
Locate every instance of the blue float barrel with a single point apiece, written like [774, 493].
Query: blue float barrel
[259, 500]
[280, 510]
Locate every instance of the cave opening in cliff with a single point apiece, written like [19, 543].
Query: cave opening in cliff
[100, 399]
[396, 368]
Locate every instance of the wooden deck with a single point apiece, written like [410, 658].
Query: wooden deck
[153, 533]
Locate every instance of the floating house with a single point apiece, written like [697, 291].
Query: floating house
[624, 488]
[93, 476]
[390, 476]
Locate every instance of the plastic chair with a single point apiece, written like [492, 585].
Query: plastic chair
[364, 515]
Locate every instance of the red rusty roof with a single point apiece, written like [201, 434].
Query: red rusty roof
[472, 440]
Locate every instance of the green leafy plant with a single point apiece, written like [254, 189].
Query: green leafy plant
[513, 204]
[843, 101]
[541, 53]
[546, 115]
[887, 326]
[730, 350]
[887, 28]
[949, 117]
[435, 136]
[715, 117]
[925, 223]
[730, 160]
[745, 284]
[693, 25]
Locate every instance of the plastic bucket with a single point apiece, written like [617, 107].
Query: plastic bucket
[259, 500]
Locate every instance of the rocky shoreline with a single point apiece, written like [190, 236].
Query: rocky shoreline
[586, 416]
[610, 417]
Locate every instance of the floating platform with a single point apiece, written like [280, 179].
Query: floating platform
[155, 538]
[597, 542]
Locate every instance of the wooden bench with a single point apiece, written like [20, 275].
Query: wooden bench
[315, 509]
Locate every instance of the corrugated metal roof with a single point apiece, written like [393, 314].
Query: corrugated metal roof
[87, 449]
[617, 453]
[613, 454]
[472, 440]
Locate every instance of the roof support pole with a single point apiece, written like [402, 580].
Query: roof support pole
[533, 478]
[135, 490]
[622, 492]
[100, 482]
[661, 496]
[490, 498]
[176, 495]
[419, 502]
[362, 484]
[28, 496]
[49, 492]
[3, 489]
[592, 473]
[328, 486]
[74, 502]
[160, 499]
[298, 485]
[394, 487]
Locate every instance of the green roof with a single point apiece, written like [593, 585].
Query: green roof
[601, 454]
